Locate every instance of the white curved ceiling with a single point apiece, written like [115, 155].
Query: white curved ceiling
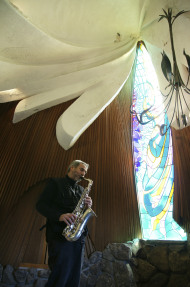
[52, 51]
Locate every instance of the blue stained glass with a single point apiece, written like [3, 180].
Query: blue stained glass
[153, 156]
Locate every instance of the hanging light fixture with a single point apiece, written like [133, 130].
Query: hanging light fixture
[178, 89]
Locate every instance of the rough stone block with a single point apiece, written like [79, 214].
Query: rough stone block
[91, 282]
[178, 280]
[105, 280]
[158, 257]
[95, 257]
[158, 280]
[44, 273]
[145, 270]
[107, 266]
[106, 254]
[179, 262]
[20, 275]
[95, 269]
[31, 275]
[8, 277]
[123, 274]
[85, 263]
[121, 251]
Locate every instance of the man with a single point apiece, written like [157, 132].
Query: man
[57, 203]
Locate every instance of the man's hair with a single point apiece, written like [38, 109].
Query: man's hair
[76, 163]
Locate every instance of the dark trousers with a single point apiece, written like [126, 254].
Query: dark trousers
[65, 262]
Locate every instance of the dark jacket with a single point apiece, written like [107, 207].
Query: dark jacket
[60, 195]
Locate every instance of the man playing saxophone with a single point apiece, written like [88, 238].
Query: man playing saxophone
[56, 203]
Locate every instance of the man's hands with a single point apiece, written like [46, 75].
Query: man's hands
[88, 201]
[69, 218]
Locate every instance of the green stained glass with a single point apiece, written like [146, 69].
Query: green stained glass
[153, 156]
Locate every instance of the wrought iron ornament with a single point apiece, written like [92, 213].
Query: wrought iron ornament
[178, 90]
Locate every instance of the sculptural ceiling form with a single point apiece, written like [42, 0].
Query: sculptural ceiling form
[52, 51]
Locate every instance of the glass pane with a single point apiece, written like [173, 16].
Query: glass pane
[153, 156]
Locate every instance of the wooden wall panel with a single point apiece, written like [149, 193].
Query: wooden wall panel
[20, 235]
[30, 153]
[181, 145]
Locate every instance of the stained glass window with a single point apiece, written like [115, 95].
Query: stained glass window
[153, 156]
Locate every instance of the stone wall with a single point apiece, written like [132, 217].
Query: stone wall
[136, 263]
[23, 277]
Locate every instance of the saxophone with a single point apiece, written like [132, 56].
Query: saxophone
[73, 232]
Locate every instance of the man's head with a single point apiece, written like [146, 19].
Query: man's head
[77, 169]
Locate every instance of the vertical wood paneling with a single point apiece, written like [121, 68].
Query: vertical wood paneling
[181, 144]
[30, 153]
[20, 235]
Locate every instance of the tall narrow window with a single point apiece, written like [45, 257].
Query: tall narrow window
[153, 157]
